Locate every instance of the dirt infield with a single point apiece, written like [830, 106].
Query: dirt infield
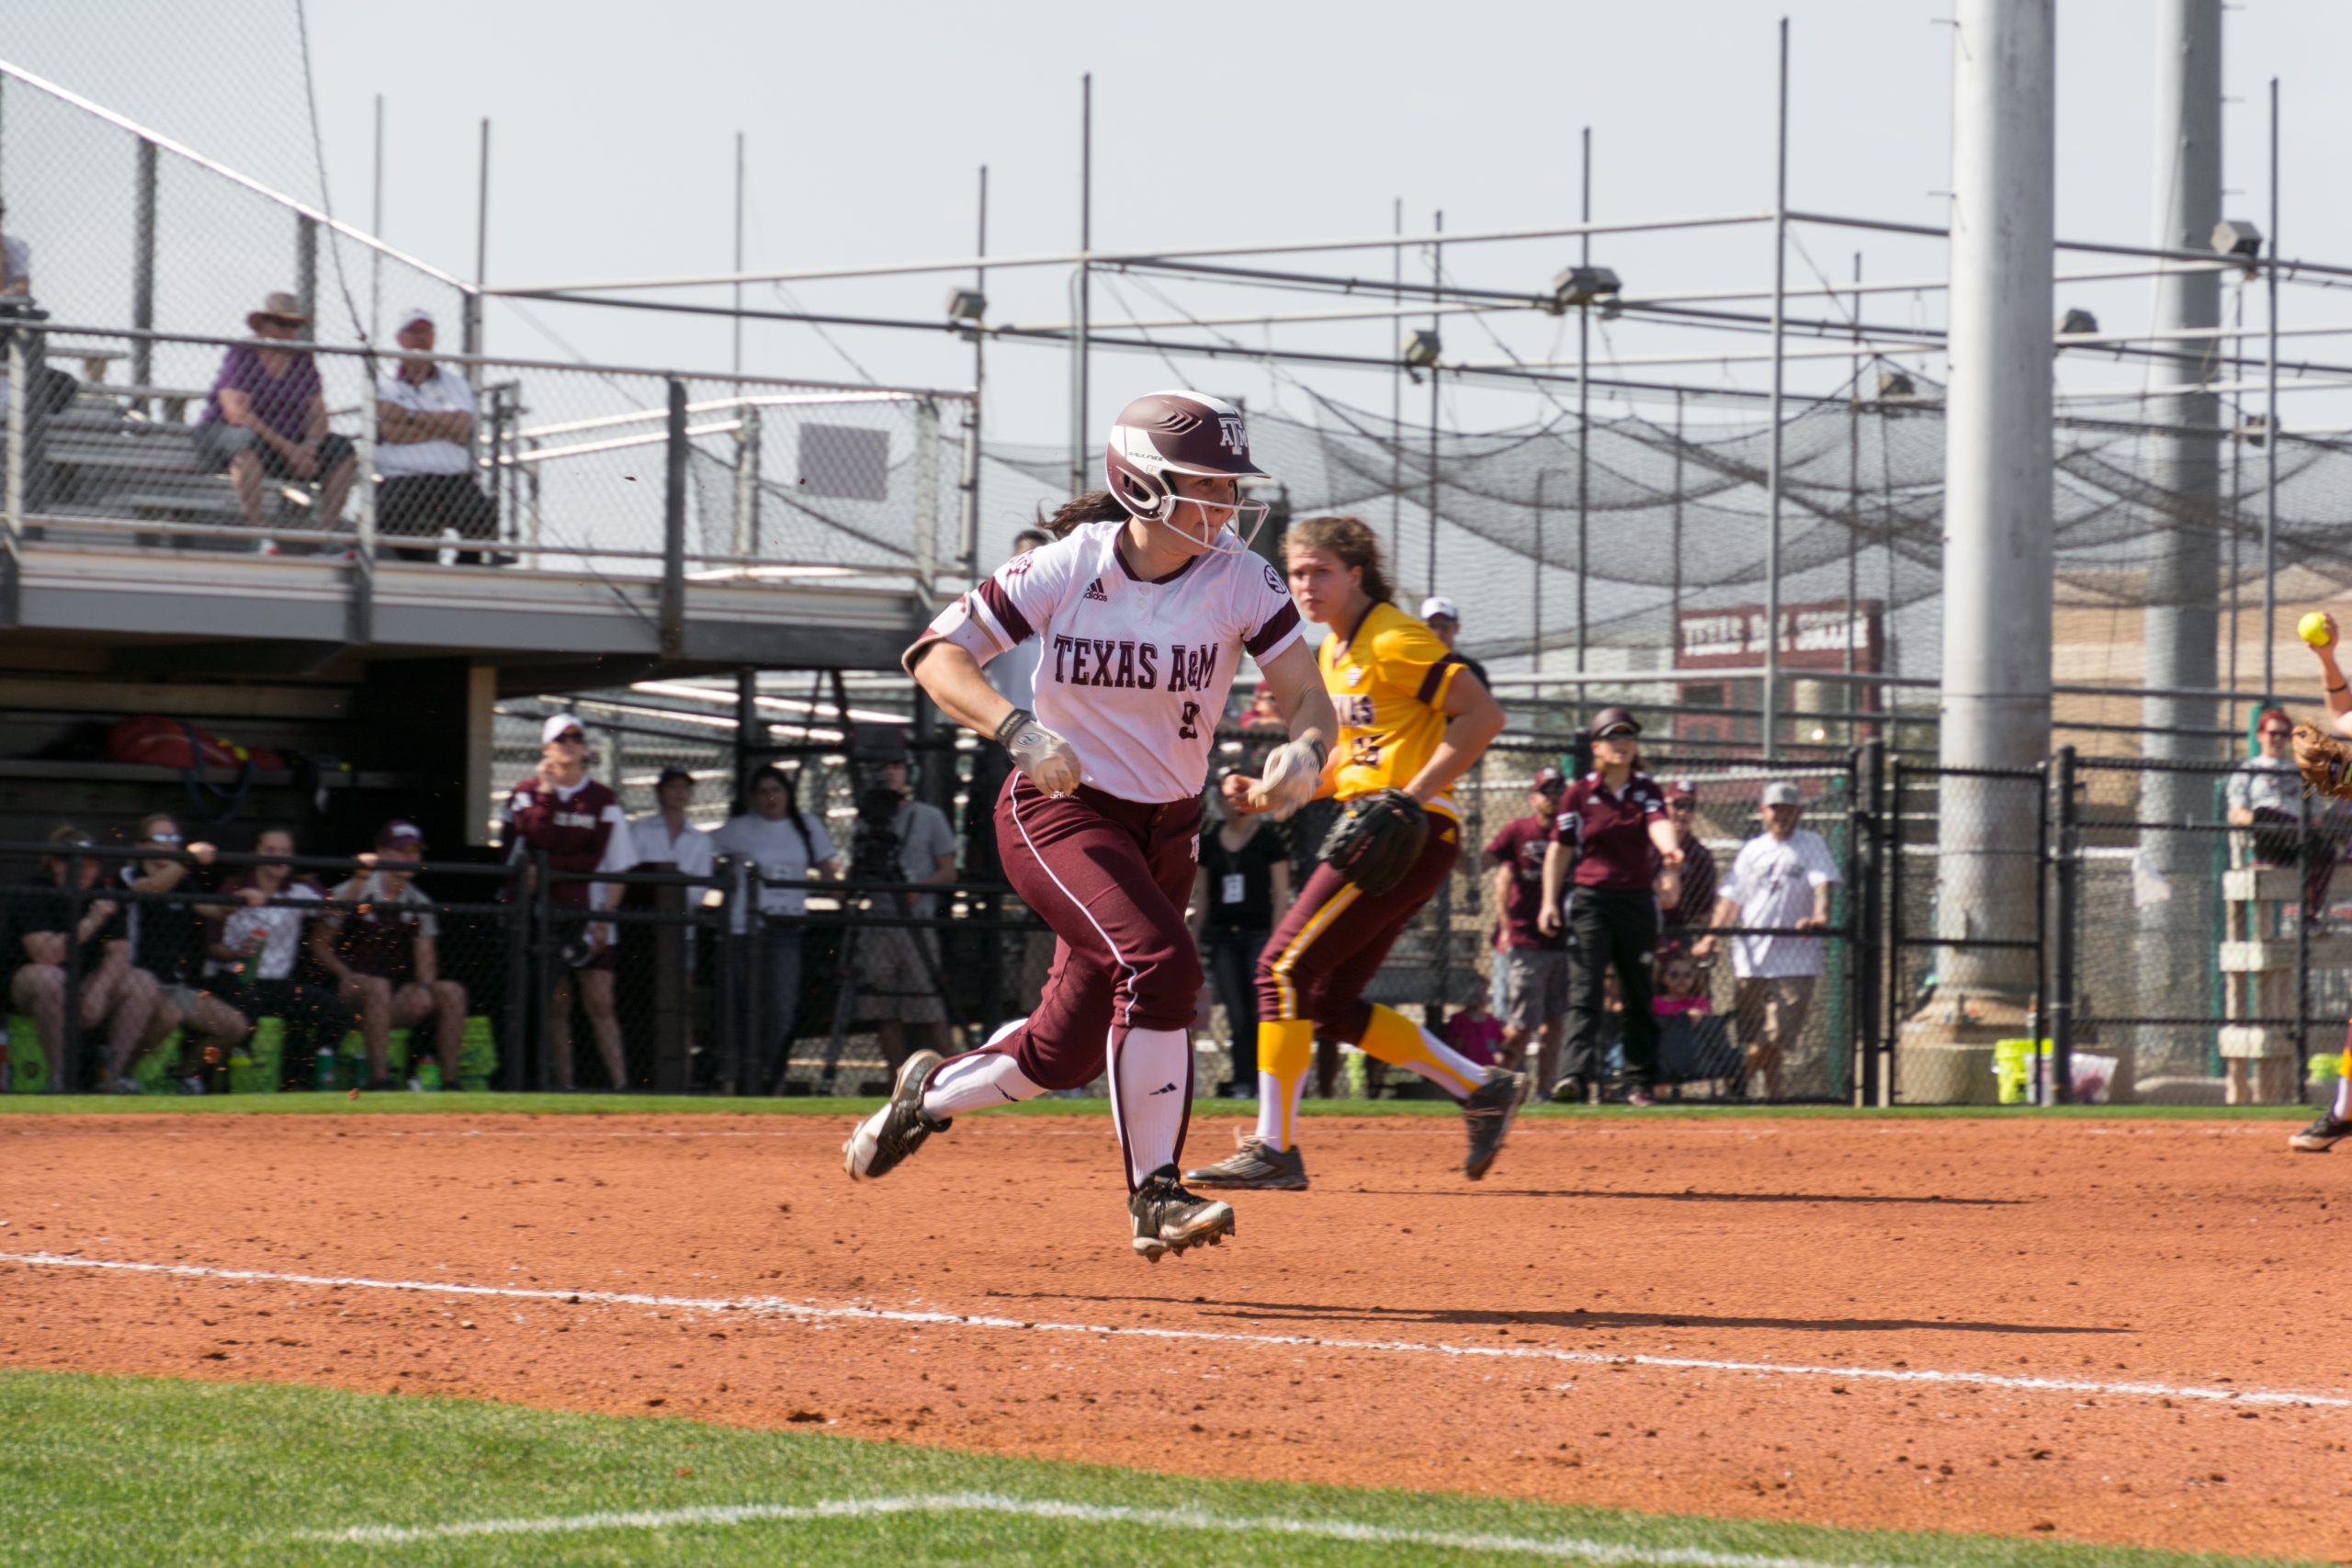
[2114, 1331]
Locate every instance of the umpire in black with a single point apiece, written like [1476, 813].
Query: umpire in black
[1610, 835]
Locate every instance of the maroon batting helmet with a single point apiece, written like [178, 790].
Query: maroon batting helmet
[1182, 432]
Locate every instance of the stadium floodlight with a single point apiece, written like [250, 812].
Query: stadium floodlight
[2077, 323]
[1579, 286]
[2253, 429]
[1420, 348]
[2233, 237]
[967, 305]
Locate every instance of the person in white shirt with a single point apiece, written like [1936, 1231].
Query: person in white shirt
[425, 433]
[1783, 881]
[785, 844]
[665, 837]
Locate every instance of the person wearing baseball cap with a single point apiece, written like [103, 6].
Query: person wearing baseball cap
[380, 940]
[267, 416]
[1441, 617]
[1781, 882]
[425, 433]
[1609, 839]
[1688, 915]
[1530, 964]
[576, 823]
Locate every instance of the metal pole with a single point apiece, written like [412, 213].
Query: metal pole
[1396, 410]
[1853, 496]
[738, 360]
[1584, 415]
[2270, 424]
[475, 333]
[968, 521]
[306, 264]
[2058, 1004]
[2182, 622]
[1437, 270]
[1997, 548]
[1079, 345]
[1772, 460]
[1674, 592]
[673, 528]
[375, 228]
[12, 485]
[143, 271]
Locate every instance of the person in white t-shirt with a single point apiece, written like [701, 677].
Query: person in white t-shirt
[1782, 880]
[425, 433]
[1142, 608]
[785, 844]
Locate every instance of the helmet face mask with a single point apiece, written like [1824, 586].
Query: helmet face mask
[1163, 435]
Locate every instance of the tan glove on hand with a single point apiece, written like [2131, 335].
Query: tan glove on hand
[1043, 757]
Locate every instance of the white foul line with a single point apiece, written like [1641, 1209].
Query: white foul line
[778, 1307]
[1567, 1548]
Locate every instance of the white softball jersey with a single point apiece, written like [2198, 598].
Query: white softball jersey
[1133, 673]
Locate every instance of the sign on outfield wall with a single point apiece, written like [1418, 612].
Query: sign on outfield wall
[1813, 637]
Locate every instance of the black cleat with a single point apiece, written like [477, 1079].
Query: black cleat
[1169, 1219]
[1257, 1164]
[1487, 1116]
[2323, 1131]
[897, 1130]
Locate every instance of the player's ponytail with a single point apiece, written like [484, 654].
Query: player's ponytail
[1094, 506]
[1351, 540]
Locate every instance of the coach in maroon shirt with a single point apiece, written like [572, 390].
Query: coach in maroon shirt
[1610, 830]
[577, 823]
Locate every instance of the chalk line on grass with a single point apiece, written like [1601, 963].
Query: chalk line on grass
[778, 1307]
[1566, 1548]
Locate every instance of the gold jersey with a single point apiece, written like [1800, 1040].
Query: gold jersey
[1388, 689]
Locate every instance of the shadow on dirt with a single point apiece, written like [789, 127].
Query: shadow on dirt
[1306, 1312]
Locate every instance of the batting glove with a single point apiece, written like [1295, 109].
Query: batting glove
[1294, 772]
[1044, 756]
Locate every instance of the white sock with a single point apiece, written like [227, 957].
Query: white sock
[2344, 1099]
[1450, 1070]
[1278, 1105]
[1150, 1095]
[976, 1082]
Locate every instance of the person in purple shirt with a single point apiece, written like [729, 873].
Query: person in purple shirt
[1612, 830]
[267, 416]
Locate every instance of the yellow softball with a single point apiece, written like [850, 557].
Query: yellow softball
[2313, 629]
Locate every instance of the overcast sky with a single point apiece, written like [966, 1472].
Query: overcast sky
[614, 127]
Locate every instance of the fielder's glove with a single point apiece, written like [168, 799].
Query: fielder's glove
[1377, 839]
[1043, 756]
[1294, 772]
[2324, 760]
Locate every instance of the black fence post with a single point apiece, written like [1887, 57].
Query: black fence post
[2303, 942]
[65, 1073]
[513, 1051]
[543, 960]
[1865, 865]
[2061, 1086]
[673, 529]
[2058, 1001]
[1890, 1085]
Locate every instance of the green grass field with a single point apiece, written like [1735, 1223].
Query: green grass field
[137, 1469]
[340, 1102]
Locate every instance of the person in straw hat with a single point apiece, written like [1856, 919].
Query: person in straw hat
[266, 417]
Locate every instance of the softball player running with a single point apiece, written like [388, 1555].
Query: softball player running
[1141, 609]
[1411, 719]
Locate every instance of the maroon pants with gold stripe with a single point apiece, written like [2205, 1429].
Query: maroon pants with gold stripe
[1336, 936]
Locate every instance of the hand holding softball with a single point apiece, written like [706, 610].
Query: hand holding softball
[2318, 628]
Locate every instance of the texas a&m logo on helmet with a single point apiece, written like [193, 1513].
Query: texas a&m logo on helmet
[1165, 433]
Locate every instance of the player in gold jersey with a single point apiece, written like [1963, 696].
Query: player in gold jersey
[1412, 717]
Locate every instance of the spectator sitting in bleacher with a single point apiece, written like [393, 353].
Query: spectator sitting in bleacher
[2266, 793]
[16, 264]
[255, 948]
[268, 415]
[168, 940]
[113, 993]
[424, 432]
[383, 955]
